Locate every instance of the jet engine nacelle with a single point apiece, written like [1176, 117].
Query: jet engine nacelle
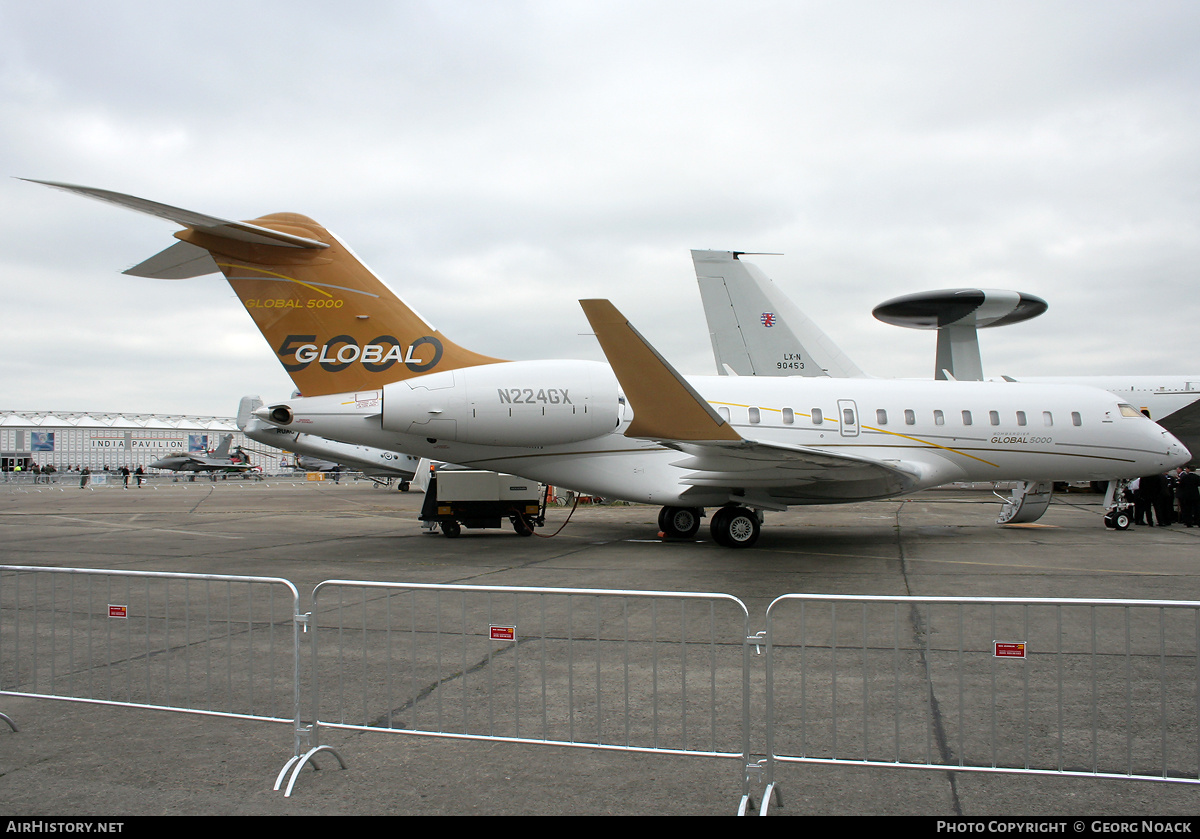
[515, 403]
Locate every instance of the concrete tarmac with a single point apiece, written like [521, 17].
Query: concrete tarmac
[76, 759]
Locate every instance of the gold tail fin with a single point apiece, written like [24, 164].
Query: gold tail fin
[333, 324]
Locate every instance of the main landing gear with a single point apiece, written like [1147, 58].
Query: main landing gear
[732, 526]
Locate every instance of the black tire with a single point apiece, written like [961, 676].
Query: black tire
[520, 526]
[1121, 521]
[741, 528]
[679, 522]
[735, 527]
[717, 526]
[451, 529]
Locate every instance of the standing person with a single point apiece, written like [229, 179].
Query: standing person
[85, 477]
[1164, 506]
[1189, 496]
[125, 476]
[1150, 487]
[141, 473]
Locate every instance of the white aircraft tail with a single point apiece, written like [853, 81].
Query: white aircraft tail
[756, 330]
[246, 409]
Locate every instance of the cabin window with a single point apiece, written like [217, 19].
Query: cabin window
[817, 416]
[939, 418]
[967, 418]
[1076, 420]
[755, 416]
[910, 417]
[994, 417]
[789, 416]
[1047, 419]
[724, 412]
[880, 416]
[1020, 418]
[847, 416]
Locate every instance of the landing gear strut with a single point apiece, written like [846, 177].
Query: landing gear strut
[1117, 504]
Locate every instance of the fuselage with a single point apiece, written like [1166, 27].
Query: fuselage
[1161, 396]
[934, 431]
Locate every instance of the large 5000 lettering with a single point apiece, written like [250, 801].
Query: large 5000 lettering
[338, 353]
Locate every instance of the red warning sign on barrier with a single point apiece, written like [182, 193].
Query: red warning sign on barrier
[118, 611]
[504, 633]
[1010, 649]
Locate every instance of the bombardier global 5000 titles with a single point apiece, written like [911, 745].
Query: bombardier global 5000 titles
[374, 373]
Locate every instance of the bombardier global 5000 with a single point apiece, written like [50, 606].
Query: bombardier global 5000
[374, 373]
[757, 330]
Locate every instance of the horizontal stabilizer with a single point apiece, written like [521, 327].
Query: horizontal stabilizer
[223, 228]
[179, 262]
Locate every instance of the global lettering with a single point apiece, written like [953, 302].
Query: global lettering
[528, 396]
[290, 303]
[377, 355]
[1022, 439]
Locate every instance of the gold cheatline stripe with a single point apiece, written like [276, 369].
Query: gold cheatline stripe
[872, 428]
[273, 274]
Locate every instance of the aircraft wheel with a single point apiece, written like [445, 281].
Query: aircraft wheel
[451, 529]
[402, 486]
[679, 522]
[1117, 520]
[735, 527]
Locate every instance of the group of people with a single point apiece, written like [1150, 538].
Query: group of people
[1155, 498]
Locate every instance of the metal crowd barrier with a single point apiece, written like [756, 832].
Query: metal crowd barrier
[663, 672]
[199, 643]
[1088, 688]
[1084, 688]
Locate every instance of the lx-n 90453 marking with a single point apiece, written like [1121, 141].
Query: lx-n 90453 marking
[632, 428]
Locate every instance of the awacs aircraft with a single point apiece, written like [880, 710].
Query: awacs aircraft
[757, 330]
[375, 374]
[220, 459]
[375, 463]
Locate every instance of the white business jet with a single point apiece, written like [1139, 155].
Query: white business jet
[757, 330]
[308, 448]
[375, 373]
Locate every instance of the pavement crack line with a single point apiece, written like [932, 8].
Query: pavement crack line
[920, 634]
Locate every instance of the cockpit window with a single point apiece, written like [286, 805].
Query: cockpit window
[1129, 411]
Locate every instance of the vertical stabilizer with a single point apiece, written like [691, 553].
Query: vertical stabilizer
[333, 325]
[755, 329]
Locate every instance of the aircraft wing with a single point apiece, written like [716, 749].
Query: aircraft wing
[668, 410]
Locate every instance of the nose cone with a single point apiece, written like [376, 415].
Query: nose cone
[1177, 453]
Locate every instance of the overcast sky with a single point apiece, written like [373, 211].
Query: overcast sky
[497, 161]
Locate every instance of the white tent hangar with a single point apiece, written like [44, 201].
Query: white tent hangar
[71, 440]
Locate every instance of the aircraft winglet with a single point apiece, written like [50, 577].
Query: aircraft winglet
[665, 406]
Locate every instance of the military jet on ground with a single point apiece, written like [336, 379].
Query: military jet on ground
[219, 460]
